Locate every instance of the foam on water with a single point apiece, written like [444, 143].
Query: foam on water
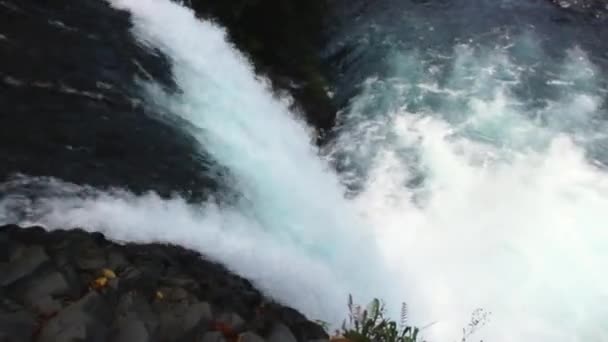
[290, 230]
[482, 199]
[224, 234]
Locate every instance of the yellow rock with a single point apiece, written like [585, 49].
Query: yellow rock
[159, 295]
[99, 283]
[108, 273]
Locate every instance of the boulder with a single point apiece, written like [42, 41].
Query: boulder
[51, 283]
[164, 293]
[179, 319]
[129, 329]
[134, 304]
[17, 326]
[281, 333]
[232, 320]
[23, 261]
[213, 336]
[85, 320]
[250, 337]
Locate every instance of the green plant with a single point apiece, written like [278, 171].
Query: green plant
[323, 324]
[371, 325]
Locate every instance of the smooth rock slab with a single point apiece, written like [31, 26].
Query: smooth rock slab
[23, 262]
[49, 284]
[80, 321]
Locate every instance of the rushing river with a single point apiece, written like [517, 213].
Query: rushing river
[466, 174]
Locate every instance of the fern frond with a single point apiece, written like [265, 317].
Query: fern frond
[404, 314]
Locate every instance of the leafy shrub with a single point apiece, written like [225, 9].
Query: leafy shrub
[371, 325]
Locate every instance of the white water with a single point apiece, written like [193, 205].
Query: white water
[510, 216]
[291, 232]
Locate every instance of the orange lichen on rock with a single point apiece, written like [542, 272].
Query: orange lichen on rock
[99, 283]
[225, 329]
[108, 273]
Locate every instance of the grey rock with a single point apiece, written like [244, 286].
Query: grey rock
[23, 262]
[114, 283]
[176, 294]
[117, 260]
[45, 305]
[214, 336]
[91, 259]
[233, 320]
[131, 275]
[39, 290]
[199, 312]
[130, 329]
[16, 326]
[281, 333]
[170, 320]
[181, 282]
[250, 337]
[83, 320]
[134, 303]
[51, 283]
[9, 305]
[177, 319]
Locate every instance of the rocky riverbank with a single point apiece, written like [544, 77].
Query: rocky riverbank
[76, 286]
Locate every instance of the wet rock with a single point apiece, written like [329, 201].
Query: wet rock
[129, 329]
[90, 258]
[232, 320]
[200, 312]
[45, 305]
[179, 319]
[52, 283]
[176, 294]
[281, 333]
[17, 326]
[23, 261]
[289, 56]
[164, 293]
[86, 320]
[186, 283]
[250, 337]
[117, 260]
[134, 304]
[213, 336]
[307, 330]
[302, 328]
[131, 276]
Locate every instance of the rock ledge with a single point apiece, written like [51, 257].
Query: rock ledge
[77, 286]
